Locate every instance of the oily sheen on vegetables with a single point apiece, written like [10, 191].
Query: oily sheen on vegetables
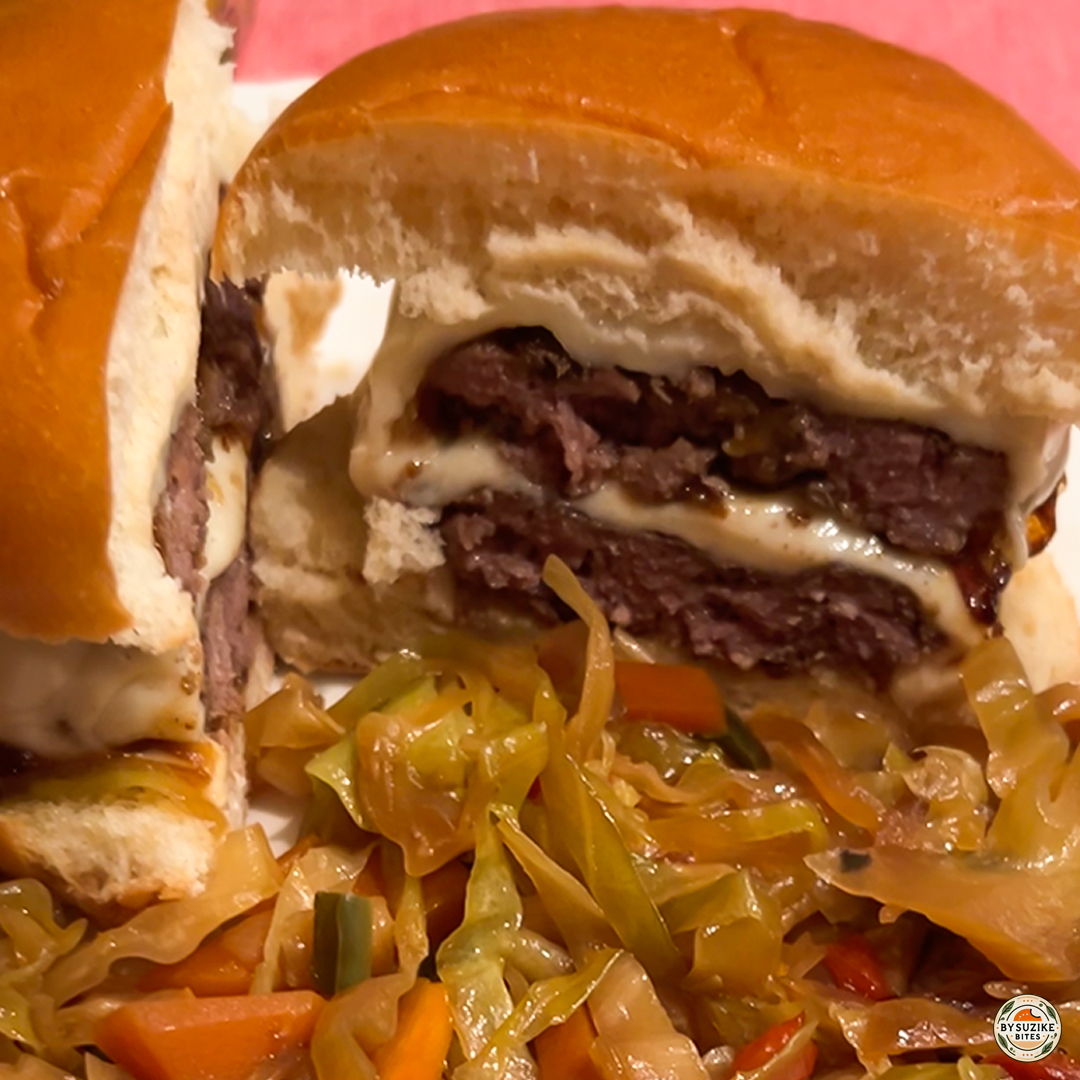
[526, 861]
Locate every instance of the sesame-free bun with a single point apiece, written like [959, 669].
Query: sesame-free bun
[114, 136]
[1039, 616]
[845, 221]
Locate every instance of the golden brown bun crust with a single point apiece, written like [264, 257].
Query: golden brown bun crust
[78, 154]
[729, 88]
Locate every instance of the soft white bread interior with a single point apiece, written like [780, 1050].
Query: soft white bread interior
[310, 539]
[120, 833]
[155, 339]
[108, 857]
[674, 187]
[1039, 616]
[323, 333]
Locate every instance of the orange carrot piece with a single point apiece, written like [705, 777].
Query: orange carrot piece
[210, 971]
[854, 966]
[422, 1040]
[221, 967]
[247, 939]
[444, 900]
[224, 1038]
[562, 1051]
[677, 694]
[765, 1047]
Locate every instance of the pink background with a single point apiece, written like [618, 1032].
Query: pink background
[1028, 53]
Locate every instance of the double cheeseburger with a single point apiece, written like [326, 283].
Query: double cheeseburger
[126, 641]
[768, 330]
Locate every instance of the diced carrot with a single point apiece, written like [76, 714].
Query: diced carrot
[444, 900]
[680, 695]
[210, 971]
[222, 966]
[765, 1047]
[422, 1039]
[247, 939]
[562, 1051]
[854, 966]
[223, 1038]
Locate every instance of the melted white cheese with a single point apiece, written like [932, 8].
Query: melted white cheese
[750, 530]
[81, 697]
[433, 475]
[226, 495]
[1036, 448]
[758, 532]
[61, 700]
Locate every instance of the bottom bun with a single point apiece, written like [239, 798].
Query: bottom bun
[1038, 613]
[153, 838]
[107, 858]
[310, 537]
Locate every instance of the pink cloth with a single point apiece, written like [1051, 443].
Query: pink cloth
[1025, 51]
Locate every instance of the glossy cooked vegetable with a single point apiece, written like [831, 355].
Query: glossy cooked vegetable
[342, 942]
[222, 966]
[766, 1048]
[564, 1051]
[417, 1050]
[188, 1038]
[543, 862]
[676, 694]
[854, 966]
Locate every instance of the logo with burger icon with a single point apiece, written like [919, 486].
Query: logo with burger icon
[1027, 1027]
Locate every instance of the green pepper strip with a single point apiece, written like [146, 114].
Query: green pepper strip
[341, 957]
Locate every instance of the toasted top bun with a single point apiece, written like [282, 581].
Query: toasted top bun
[114, 136]
[845, 221]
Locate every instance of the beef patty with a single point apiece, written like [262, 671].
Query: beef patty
[571, 428]
[662, 587]
[701, 435]
[232, 400]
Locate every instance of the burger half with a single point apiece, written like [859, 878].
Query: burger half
[125, 637]
[768, 330]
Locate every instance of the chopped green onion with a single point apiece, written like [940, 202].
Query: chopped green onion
[341, 957]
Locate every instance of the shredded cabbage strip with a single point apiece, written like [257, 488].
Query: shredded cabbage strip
[625, 872]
